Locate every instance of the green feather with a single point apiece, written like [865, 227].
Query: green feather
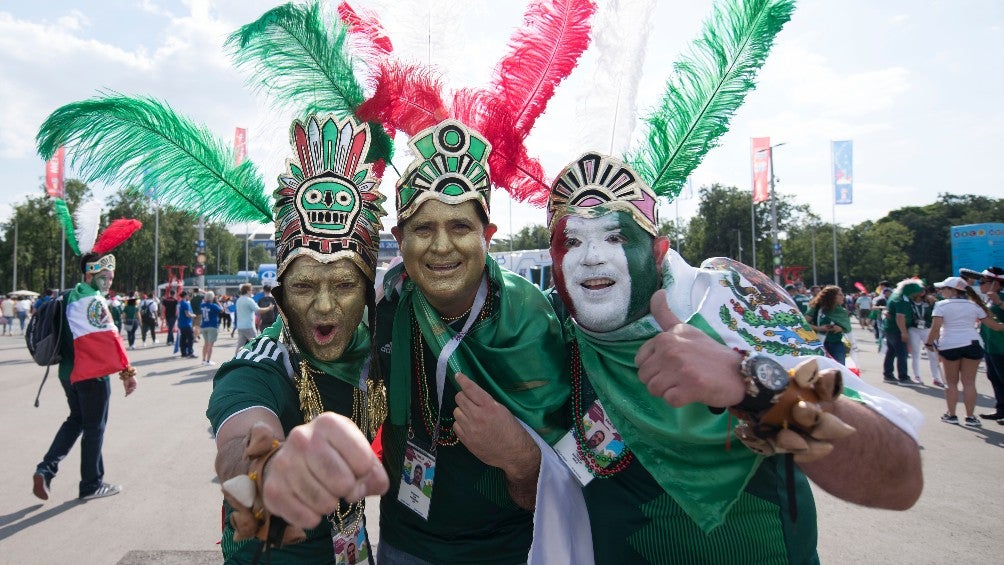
[141, 142]
[66, 220]
[299, 59]
[709, 83]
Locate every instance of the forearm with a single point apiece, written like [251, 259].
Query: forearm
[901, 324]
[521, 478]
[232, 439]
[877, 466]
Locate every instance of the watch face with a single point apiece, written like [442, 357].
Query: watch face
[770, 374]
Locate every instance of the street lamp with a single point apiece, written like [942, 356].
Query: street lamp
[773, 213]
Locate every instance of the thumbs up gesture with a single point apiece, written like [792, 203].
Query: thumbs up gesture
[682, 364]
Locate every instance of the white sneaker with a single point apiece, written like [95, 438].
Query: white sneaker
[104, 490]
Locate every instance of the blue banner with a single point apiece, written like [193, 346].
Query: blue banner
[977, 246]
[843, 171]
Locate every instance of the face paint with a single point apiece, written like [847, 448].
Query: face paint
[444, 248]
[323, 304]
[102, 281]
[604, 269]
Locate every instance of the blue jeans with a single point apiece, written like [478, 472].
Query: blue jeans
[187, 338]
[837, 350]
[895, 350]
[88, 401]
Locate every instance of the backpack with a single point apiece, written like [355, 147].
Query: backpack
[44, 335]
[148, 311]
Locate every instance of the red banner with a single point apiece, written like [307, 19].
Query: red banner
[240, 145]
[54, 174]
[760, 157]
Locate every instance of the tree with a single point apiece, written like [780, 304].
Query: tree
[534, 236]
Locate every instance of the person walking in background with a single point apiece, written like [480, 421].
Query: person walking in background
[115, 307]
[8, 310]
[186, 337]
[863, 304]
[225, 303]
[210, 326]
[953, 332]
[899, 317]
[94, 353]
[828, 317]
[130, 321]
[22, 307]
[169, 307]
[923, 311]
[992, 285]
[148, 311]
[197, 297]
[266, 308]
[247, 311]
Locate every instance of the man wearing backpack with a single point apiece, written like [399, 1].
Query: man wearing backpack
[148, 311]
[95, 352]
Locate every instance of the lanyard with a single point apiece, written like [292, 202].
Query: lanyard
[919, 310]
[450, 347]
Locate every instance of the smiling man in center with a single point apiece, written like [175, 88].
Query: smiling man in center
[450, 309]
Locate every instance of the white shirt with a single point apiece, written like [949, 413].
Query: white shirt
[960, 319]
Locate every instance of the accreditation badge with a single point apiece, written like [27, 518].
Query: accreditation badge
[350, 549]
[602, 441]
[921, 324]
[417, 477]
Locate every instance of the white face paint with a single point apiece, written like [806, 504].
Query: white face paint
[597, 278]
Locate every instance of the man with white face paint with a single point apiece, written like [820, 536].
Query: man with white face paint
[669, 489]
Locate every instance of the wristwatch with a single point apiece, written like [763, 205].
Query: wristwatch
[765, 380]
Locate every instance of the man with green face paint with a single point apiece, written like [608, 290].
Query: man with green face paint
[467, 346]
[95, 351]
[663, 486]
[304, 384]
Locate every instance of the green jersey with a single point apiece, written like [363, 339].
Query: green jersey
[994, 341]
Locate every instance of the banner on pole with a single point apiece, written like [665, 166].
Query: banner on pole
[688, 189]
[760, 157]
[54, 174]
[240, 145]
[843, 172]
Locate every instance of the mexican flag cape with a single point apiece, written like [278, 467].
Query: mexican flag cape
[97, 347]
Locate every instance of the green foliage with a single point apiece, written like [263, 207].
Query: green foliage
[530, 237]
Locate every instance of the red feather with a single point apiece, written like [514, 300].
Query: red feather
[117, 232]
[407, 98]
[371, 40]
[542, 54]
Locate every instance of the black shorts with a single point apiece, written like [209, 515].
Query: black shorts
[972, 351]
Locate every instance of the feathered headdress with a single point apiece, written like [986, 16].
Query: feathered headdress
[710, 82]
[83, 238]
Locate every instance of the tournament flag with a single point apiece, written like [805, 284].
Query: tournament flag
[760, 156]
[54, 174]
[240, 145]
[843, 172]
[97, 347]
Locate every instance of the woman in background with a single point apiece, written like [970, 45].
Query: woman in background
[828, 317]
[130, 320]
[953, 331]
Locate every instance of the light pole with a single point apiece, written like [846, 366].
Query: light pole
[773, 214]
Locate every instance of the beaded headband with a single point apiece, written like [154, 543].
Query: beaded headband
[105, 263]
[450, 165]
[327, 205]
[594, 185]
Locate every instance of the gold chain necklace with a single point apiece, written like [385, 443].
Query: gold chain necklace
[369, 409]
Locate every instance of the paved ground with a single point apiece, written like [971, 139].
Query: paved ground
[158, 446]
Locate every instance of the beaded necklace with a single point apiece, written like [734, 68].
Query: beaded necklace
[447, 437]
[365, 406]
[594, 461]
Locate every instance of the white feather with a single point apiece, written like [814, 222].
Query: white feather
[620, 35]
[87, 219]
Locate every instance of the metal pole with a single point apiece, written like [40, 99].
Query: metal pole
[773, 219]
[836, 277]
[247, 238]
[156, 247]
[62, 260]
[14, 282]
[201, 279]
[753, 228]
[814, 282]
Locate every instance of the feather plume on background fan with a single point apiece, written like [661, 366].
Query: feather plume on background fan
[621, 29]
[87, 222]
[425, 31]
[367, 38]
[140, 141]
[709, 83]
[541, 54]
[65, 220]
[301, 60]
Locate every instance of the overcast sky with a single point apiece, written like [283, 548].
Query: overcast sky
[916, 84]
